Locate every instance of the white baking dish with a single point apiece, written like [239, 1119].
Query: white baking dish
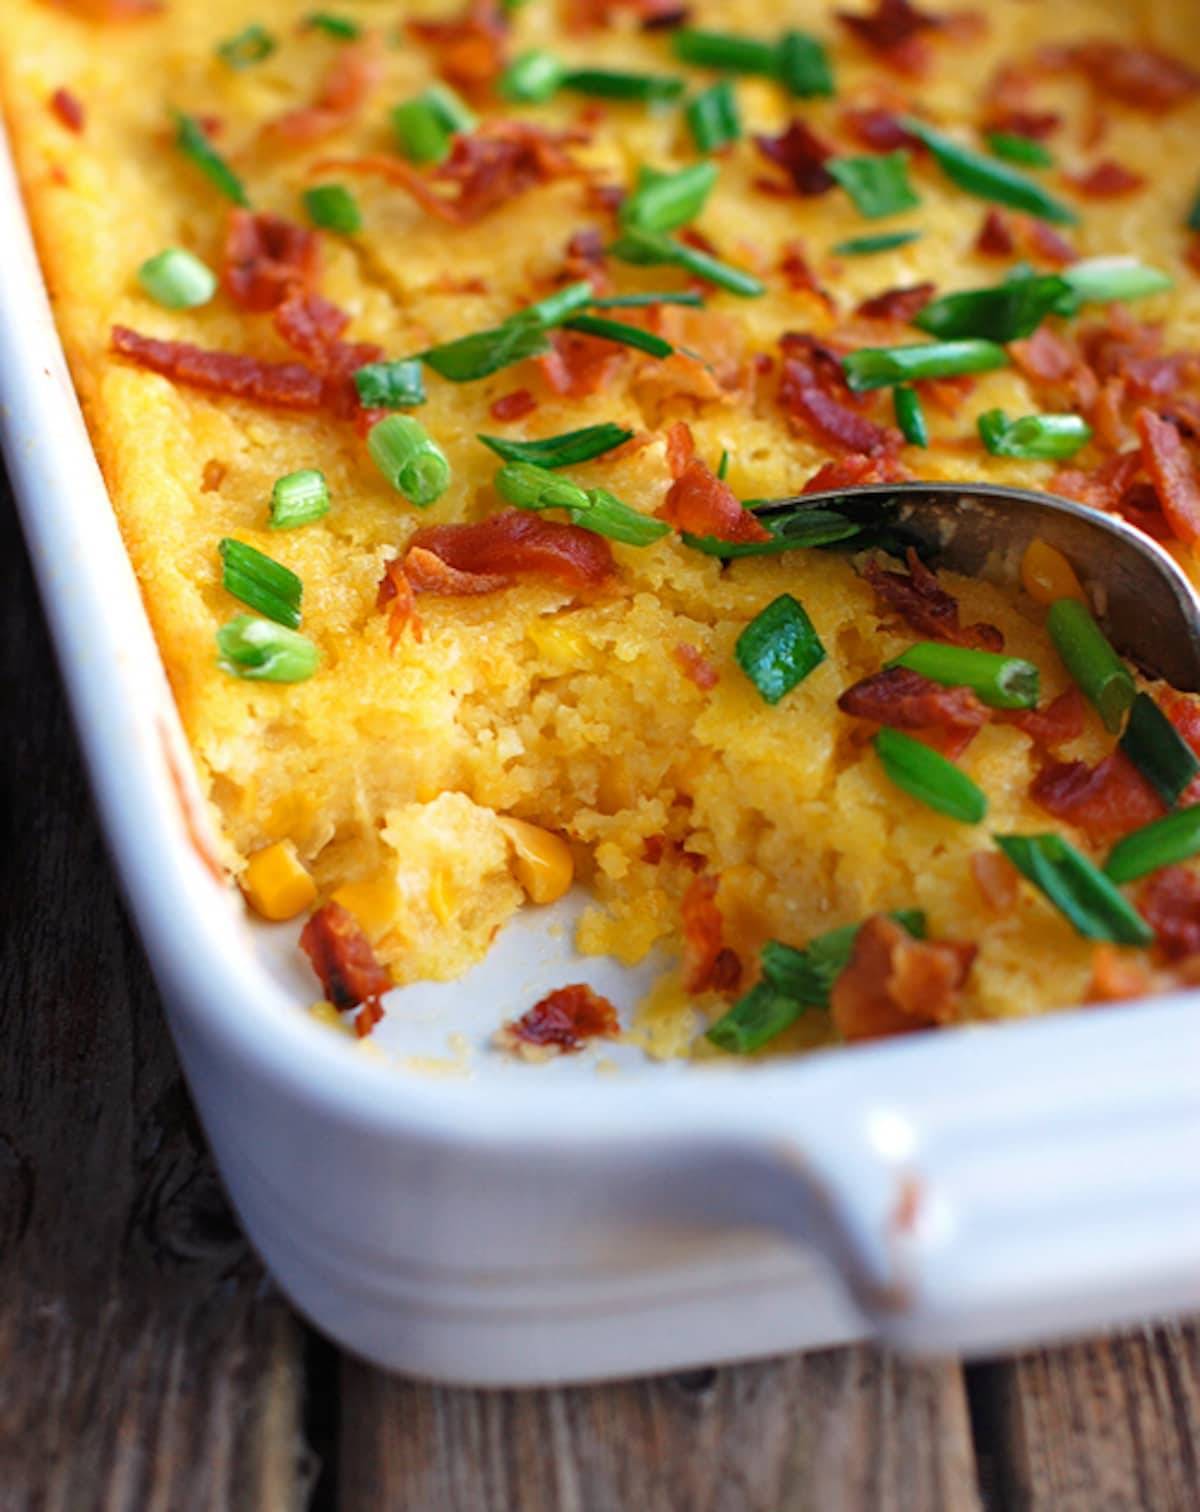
[519, 1224]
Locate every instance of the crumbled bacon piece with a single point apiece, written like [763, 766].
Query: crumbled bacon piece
[286, 385]
[995, 237]
[896, 31]
[695, 666]
[877, 129]
[1037, 124]
[396, 594]
[681, 446]
[897, 304]
[353, 74]
[561, 1023]
[708, 964]
[342, 958]
[798, 273]
[313, 326]
[1106, 180]
[68, 109]
[813, 393]
[906, 700]
[1141, 77]
[1105, 801]
[469, 49]
[997, 880]
[427, 572]
[513, 543]
[926, 607]
[1173, 473]
[579, 364]
[1170, 903]
[513, 406]
[1059, 722]
[1001, 234]
[856, 471]
[1104, 487]
[802, 155]
[894, 984]
[704, 505]
[267, 258]
[587, 258]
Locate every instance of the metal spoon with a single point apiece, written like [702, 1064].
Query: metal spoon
[1148, 608]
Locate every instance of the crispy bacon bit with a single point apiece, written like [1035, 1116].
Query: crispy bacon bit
[1105, 801]
[896, 31]
[997, 880]
[1038, 124]
[681, 446]
[426, 572]
[267, 258]
[1106, 180]
[1173, 473]
[802, 155]
[286, 385]
[514, 406]
[1050, 358]
[561, 1023]
[1140, 77]
[1170, 904]
[995, 237]
[798, 273]
[1104, 487]
[695, 666]
[579, 364]
[510, 544]
[877, 129]
[342, 957]
[370, 1014]
[1058, 723]
[396, 591]
[213, 475]
[708, 965]
[856, 471]
[354, 72]
[470, 49]
[1001, 234]
[894, 984]
[926, 607]
[1115, 978]
[68, 109]
[313, 326]
[587, 258]
[703, 505]
[897, 304]
[813, 393]
[906, 700]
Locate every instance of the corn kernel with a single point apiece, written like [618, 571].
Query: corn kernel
[374, 903]
[542, 860]
[441, 897]
[1046, 575]
[276, 882]
[560, 646]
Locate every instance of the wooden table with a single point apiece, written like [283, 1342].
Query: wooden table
[147, 1363]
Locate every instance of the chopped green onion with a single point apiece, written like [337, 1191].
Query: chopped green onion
[1101, 280]
[191, 141]
[532, 78]
[723, 464]
[1001, 682]
[802, 65]
[927, 776]
[1002, 312]
[651, 297]
[805, 529]
[561, 451]
[713, 118]
[880, 367]
[177, 279]
[1044, 438]
[333, 208]
[1019, 149]
[557, 306]
[725, 50]
[409, 459]
[863, 246]
[616, 84]
[987, 178]
[485, 352]
[248, 47]
[1094, 666]
[609, 516]
[666, 201]
[298, 499]
[758, 1017]
[779, 648]
[391, 385]
[1158, 750]
[261, 582]
[1080, 892]
[620, 332]
[340, 27]
[425, 125]
[1161, 843]
[877, 182]
[910, 417]
[649, 247]
[263, 652]
[531, 487]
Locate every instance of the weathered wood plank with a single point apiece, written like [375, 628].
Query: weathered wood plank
[1110, 1425]
[831, 1432]
[144, 1362]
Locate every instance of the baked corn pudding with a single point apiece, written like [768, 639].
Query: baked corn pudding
[436, 359]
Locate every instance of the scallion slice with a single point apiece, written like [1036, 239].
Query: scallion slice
[617, 84]
[425, 125]
[1101, 280]
[333, 208]
[881, 367]
[726, 51]
[1001, 682]
[723, 464]
[1165, 842]
[987, 178]
[802, 66]
[409, 459]
[910, 417]
[261, 582]
[298, 499]
[666, 201]
[391, 385]
[877, 182]
[487, 351]
[261, 651]
[191, 141]
[927, 776]
[556, 307]
[1094, 666]
[564, 450]
[250, 46]
[177, 280]
[805, 529]
[1015, 148]
[690, 297]
[333, 25]
[1001, 312]
[612, 517]
[1158, 750]
[1079, 890]
[649, 247]
[531, 487]
[864, 246]
[713, 118]
[758, 1017]
[779, 648]
[532, 78]
[621, 333]
[1045, 438]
